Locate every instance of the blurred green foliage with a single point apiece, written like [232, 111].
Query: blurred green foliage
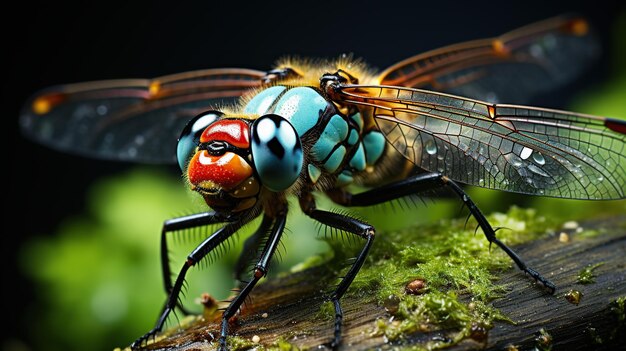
[99, 282]
[99, 276]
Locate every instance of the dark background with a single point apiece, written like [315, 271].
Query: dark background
[50, 44]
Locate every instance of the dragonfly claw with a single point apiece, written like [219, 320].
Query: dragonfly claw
[143, 340]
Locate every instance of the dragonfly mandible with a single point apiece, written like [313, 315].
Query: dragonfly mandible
[250, 139]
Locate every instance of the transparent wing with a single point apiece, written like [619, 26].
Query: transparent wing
[513, 148]
[132, 120]
[537, 58]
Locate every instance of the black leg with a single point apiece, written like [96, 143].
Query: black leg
[428, 181]
[350, 225]
[181, 223]
[260, 270]
[194, 257]
[250, 247]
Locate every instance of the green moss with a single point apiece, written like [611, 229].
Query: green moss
[238, 343]
[457, 267]
[448, 255]
[326, 311]
[586, 276]
[282, 345]
[438, 311]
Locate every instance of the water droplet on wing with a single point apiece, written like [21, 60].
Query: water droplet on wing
[431, 147]
[526, 152]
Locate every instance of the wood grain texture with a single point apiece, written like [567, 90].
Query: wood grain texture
[292, 304]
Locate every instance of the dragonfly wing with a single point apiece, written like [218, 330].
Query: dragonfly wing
[513, 68]
[136, 120]
[507, 147]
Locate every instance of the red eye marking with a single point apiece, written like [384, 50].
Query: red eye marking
[232, 131]
[222, 172]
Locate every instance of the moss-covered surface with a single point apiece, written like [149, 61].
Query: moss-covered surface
[239, 344]
[437, 283]
[457, 274]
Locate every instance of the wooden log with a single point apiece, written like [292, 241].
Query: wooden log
[285, 312]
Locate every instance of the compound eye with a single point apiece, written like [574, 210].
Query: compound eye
[276, 152]
[190, 137]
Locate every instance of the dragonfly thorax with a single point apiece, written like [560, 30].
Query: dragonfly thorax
[337, 145]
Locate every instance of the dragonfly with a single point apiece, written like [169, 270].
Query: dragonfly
[247, 140]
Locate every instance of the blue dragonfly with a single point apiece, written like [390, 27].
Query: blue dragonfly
[246, 140]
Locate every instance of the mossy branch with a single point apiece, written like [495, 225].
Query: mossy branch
[402, 300]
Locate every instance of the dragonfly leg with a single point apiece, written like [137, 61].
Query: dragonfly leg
[173, 226]
[428, 181]
[194, 257]
[250, 247]
[350, 225]
[260, 270]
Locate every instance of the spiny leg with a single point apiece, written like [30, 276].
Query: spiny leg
[210, 243]
[250, 247]
[350, 225]
[173, 226]
[260, 270]
[428, 181]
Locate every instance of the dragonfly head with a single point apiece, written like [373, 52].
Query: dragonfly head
[228, 160]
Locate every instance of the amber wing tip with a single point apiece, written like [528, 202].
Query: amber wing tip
[616, 125]
[577, 26]
[45, 103]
